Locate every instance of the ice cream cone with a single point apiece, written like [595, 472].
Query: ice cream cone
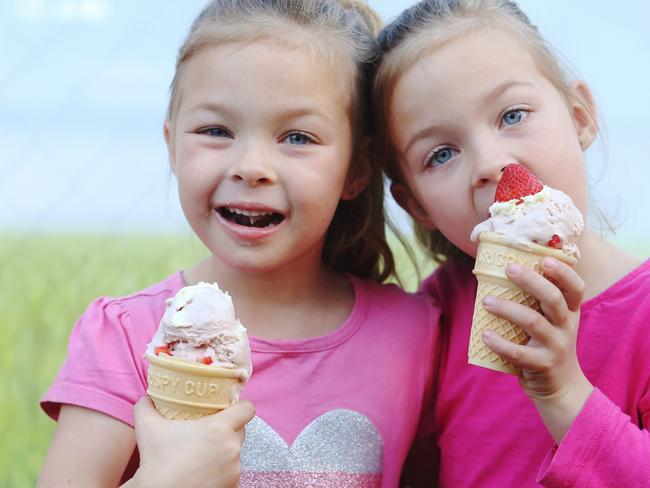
[182, 390]
[492, 257]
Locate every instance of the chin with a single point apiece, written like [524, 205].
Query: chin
[470, 250]
[249, 266]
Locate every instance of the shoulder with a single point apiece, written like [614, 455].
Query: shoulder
[631, 292]
[151, 298]
[139, 310]
[105, 369]
[638, 278]
[621, 313]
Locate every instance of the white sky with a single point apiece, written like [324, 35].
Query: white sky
[83, 91]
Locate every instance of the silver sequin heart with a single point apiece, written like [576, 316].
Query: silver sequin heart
[338, 441]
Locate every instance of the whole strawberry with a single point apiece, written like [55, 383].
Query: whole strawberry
[516, 182]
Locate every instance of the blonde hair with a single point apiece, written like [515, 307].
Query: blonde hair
[334, 31]
[428, 25]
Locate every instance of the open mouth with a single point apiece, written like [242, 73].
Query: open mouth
[250, 218]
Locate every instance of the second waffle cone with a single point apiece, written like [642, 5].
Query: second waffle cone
[492, 257]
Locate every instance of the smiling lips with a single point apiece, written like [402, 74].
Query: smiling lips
[250, 218]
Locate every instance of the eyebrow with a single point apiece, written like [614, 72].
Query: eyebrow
[219, 108]
[211, 107]
[305, 112]
[503, 88]
[494, 94]
[421, 134]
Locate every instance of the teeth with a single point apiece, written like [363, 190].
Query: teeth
[249, 213]
[250, 218]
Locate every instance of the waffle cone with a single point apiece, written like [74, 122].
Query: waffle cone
[492, 257]
[182, 390]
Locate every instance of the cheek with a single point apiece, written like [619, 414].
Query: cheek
[436, 199]
[574, 184]
[318, 200]
[196, 166]
[570, 175]
[450, 210]
[321, 178]
[193, 185]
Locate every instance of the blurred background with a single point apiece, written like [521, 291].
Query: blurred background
[87, 205]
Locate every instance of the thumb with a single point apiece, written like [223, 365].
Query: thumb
[237, 415]
[144, 411]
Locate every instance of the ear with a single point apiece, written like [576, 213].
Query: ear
[360, 174]
[405, 198]
[583, 109]
[167, 133]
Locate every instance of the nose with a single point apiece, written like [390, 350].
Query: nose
[487, 168]
[252, 167]
[489, 172]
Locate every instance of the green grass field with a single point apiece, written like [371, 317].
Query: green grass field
[47, 281]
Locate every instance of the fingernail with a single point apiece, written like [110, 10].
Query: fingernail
[488, 301]
[549, 263]
[513, 269]
[486, 335]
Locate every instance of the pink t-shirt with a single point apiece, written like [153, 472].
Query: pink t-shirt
[336, 410]
[489, 433]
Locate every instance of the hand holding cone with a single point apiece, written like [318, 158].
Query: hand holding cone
[528, 222]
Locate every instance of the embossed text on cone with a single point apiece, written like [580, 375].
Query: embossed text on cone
[182, 390]
[492, 257]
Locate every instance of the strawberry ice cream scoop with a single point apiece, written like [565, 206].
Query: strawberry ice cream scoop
[526, 212]
[199, 325]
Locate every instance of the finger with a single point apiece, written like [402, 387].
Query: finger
[237, 415]
[550, 297]
[526, 357]
[146, 420]
[534, 323]
[567, 280]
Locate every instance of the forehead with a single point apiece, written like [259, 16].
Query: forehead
[464, 69]
[285, 66]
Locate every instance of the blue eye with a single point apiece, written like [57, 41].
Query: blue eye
[216, 132]
[298, 139]
[441, 156]
[514, 117]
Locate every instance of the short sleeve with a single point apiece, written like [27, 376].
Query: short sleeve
[104, 369]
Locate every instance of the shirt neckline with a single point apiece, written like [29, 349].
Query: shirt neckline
[310, 344]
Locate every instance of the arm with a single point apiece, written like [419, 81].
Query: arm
[551, 375]
[602, 448]
[598, 445]
[195, 453]
[89, 449]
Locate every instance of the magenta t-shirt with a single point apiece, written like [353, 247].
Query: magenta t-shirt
[337, 410]
[489, 433]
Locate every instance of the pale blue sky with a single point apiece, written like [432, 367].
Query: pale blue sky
[83, 91]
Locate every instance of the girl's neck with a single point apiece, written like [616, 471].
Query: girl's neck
[286, 303]
[601, 263]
